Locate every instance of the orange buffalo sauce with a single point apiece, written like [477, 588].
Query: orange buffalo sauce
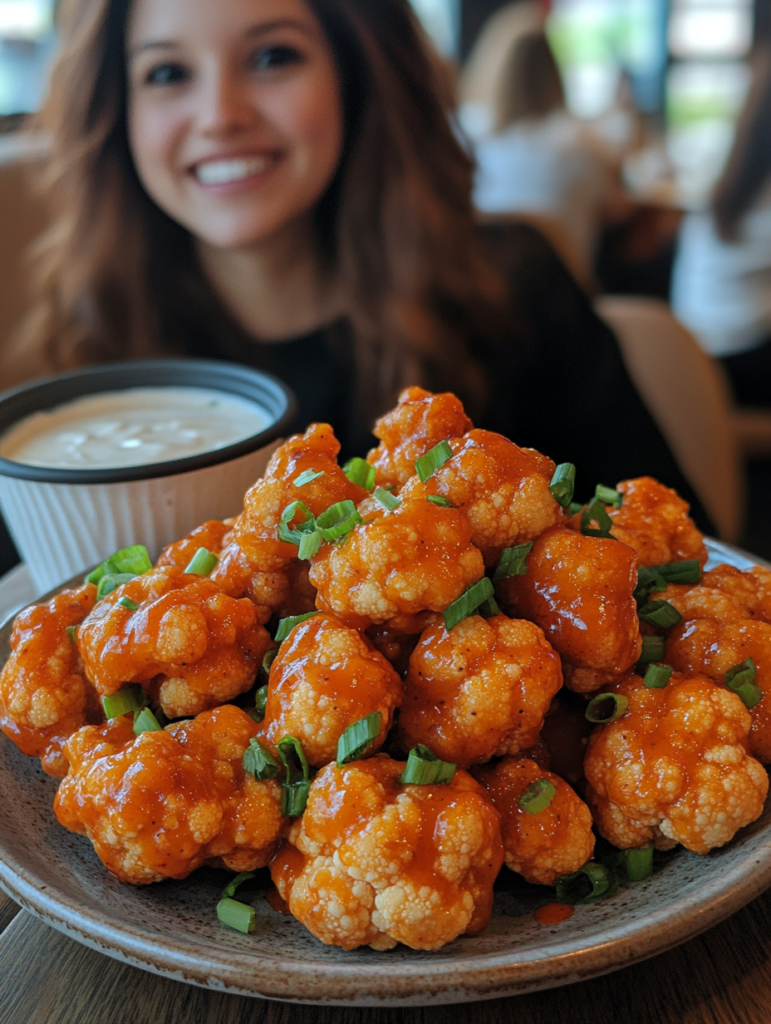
[553, 913]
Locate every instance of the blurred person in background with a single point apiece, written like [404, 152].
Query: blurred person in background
[540, 159]
[721, 286]
[276, 182]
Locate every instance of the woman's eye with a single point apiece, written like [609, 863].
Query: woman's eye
[269, 57]
[166, 74]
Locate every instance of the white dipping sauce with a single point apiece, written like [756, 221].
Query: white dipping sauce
[134, 427]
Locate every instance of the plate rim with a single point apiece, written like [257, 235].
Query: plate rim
[399, 984]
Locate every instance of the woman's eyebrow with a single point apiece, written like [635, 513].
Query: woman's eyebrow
[256, 30]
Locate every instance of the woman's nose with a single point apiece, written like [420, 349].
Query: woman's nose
[225, 103]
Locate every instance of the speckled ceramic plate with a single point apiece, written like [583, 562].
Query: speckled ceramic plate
[172, 929]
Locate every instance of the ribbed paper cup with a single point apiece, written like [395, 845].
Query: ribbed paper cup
[64, 521]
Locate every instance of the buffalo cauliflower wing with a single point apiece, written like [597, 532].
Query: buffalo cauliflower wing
[256, 529]
[44, 694]
[713, 648]
[580, 591]
[502, 490]
[481, 689]
[674, 767]
[326, 678]
[654, 521]
[375, 862]
[189, 644]
[417, 558]
[724, 593]
[418, 423]
[549, 843]
[161, 804]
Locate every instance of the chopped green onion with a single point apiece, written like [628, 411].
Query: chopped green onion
[230, 889]
[285, 626]
[295, 789]
[563, 483]
[267, 661]
[574, 507]
[203, 563]
[742, 679]
[130, 697]
[592, 882]
[489, 609]
[338, 520]
[125, 603]
[308, 524]
[72, 633]
[134, 560]
[657, 577]
[638, 863]
[468, 602]
[307, 477]
[606, 707]
[513, 561]
[237, 915]
[424, 768]
[608, 495]
[652, 649]
[657, 676]
[537, 796]
[428, 464]
[309, 545]
[258, 762]
[361, 473]
[648, 581]
[595, 512]
[260, 701]
[661, 614]
[111, 581]
[386, 499]
[145, 721]
[440, 501]
[358, 737]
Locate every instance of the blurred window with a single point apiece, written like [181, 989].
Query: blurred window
[710, 28]
[26, 49]
[441, 19]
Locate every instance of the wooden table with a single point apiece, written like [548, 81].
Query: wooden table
[721, 977]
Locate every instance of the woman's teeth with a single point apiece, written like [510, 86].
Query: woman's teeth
[224, 172]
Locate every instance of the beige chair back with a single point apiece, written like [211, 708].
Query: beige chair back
[688, 396]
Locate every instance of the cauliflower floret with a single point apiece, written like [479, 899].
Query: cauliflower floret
[654, 521]
[418, 423]
[374, 862]
[545, 845]
[325, 678]
[418, 558]
[44, 694]
[190, 646]
[256, 529]
[212, 535]
[713, 648]
[580, 591]
[480, 689]
[502, 490]
[160, 804]
[724, 593]
[674, 767]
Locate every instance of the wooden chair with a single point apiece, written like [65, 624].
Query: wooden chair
[688, 396]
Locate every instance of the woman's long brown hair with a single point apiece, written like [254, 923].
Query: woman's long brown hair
[748, 169]
[118, 278]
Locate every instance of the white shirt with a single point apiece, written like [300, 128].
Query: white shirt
[553, 167]
[722, 290]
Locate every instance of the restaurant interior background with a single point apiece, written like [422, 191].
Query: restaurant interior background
[683, 63]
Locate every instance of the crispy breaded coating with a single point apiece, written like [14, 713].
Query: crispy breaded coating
[418, 558]
[502, 490]
[579, 590]
[724, 593]
[544, 846]
[256, 529]
[325, 678]
[212, 535]
[190, 646]
[374, 862]
[481, 689]
[419, 422]
[44, 694]
[654, 521]
[161, 804]
[713, 648]
[674, 768]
